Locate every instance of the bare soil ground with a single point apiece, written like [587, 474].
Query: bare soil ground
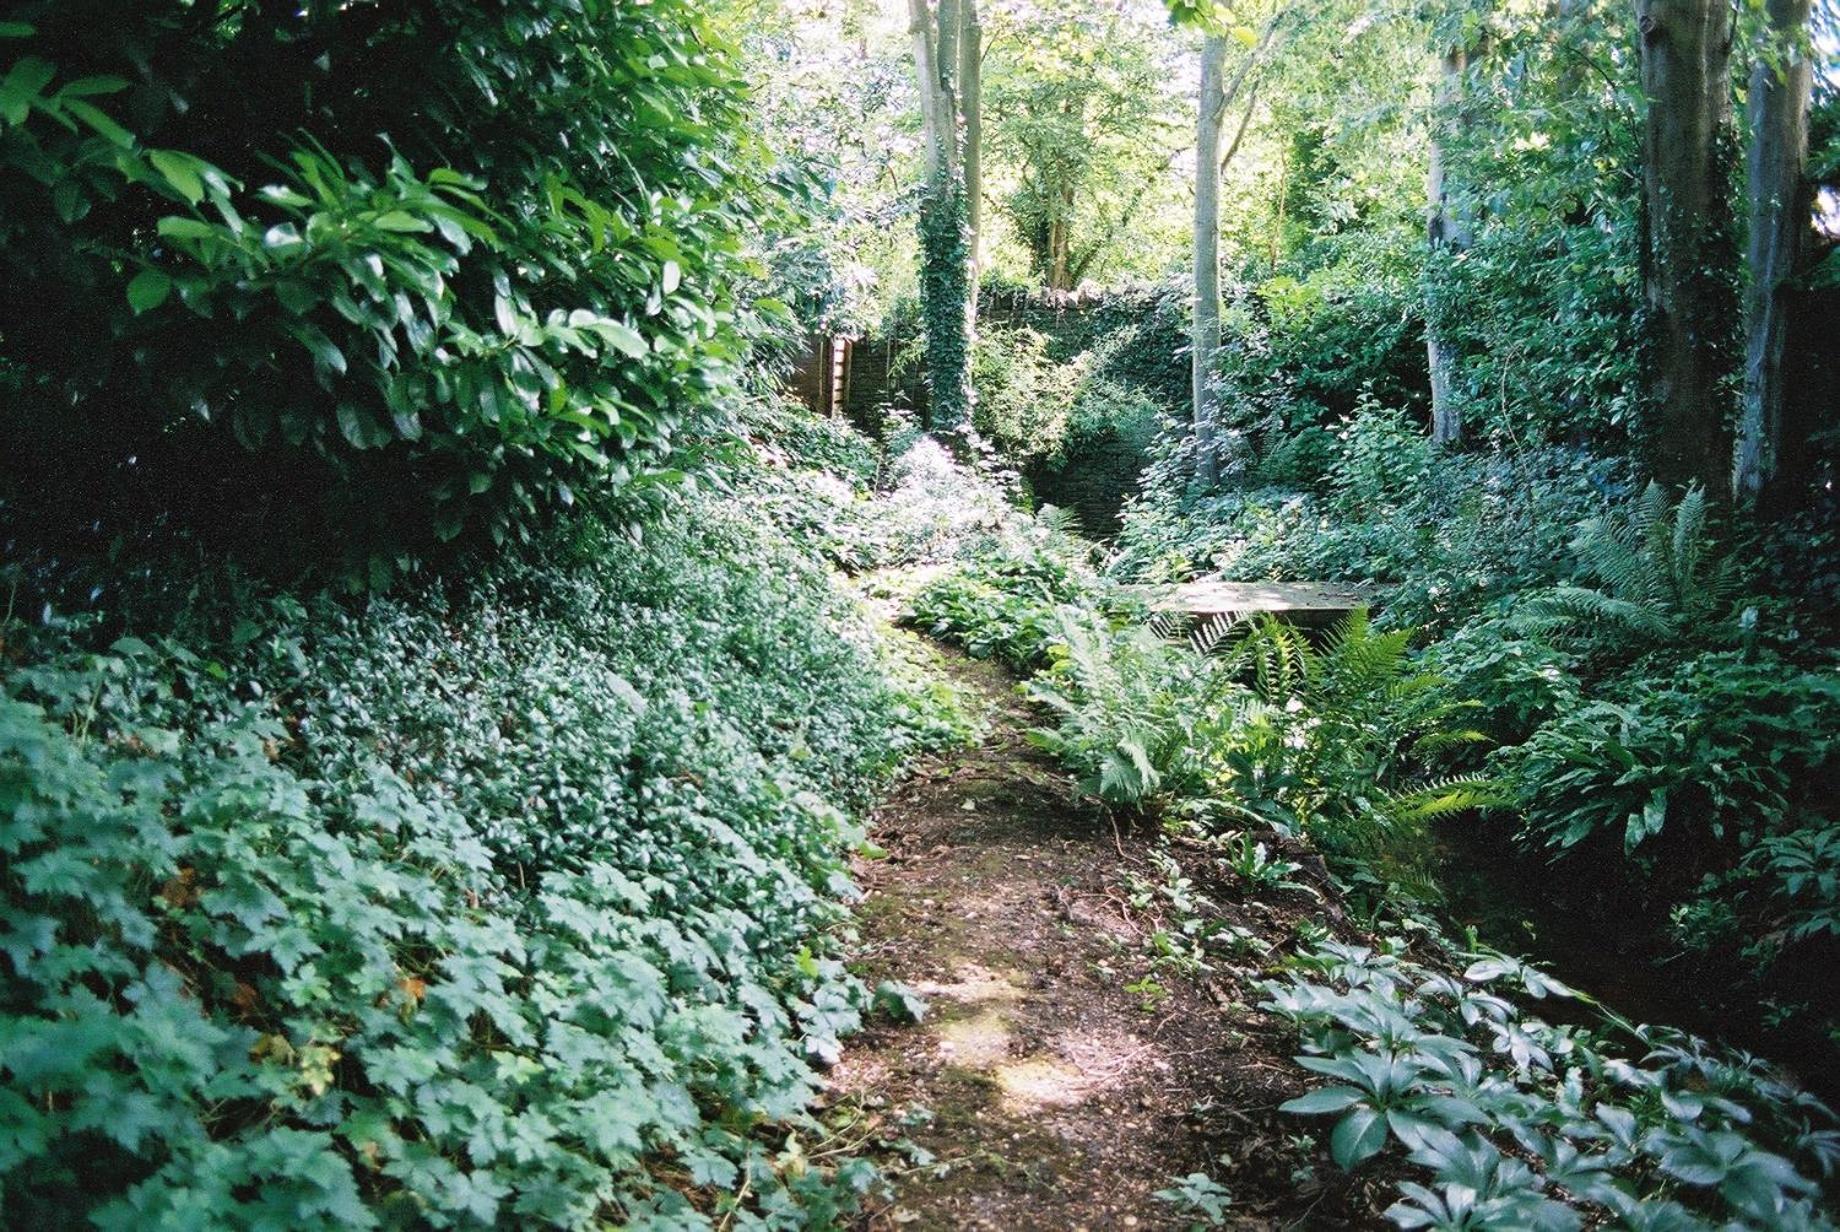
[1061, 1075]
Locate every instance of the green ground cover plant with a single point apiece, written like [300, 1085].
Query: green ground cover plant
[1510, 1121]
[512, 902]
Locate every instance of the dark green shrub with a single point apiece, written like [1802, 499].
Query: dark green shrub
[1705, 754]
[488, 284]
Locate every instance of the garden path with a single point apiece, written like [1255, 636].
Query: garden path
[1061, 1076]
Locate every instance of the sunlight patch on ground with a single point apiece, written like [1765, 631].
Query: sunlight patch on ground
[975, 984]
[1082, 1064]
[981, 1039]
[978, 1042]
[1041, 1082]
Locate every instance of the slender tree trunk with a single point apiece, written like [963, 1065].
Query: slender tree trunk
[1060, 242]
[1206, 340]
[945, 48]
[1686, 54]
[936, 117]
[1446, 230]
[1239, 133]
[1778, 201]
[945, 289]
[971, 104]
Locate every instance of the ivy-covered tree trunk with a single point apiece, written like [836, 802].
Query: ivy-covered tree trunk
[1778, 203]
[1446, 232]
[945, 281]
[1686, 257]
[1206, 339]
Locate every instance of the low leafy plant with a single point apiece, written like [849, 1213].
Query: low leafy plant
[1716, 746]
[1513, 1122]
[1003, 601]
[1252, 862]
[1200, 1196]
[509, 903]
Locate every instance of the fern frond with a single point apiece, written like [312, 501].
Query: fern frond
[1577, 605]
[1216, 631]
[1438, 741]
[1690, 542]
[1444, 798]
[1058, 520]
[1360, 661]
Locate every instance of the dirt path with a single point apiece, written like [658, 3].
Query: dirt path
[1054, 1085]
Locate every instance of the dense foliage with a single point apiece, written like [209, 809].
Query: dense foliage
[509, 903]
[497, 278]
[1660, 715]
[432, 735]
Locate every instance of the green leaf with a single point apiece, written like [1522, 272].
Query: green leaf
[505, 313]
[297, 297]
[99, 120]
[325, 353]
[1357, 1136]
[181, 171]
[86, 86]
[1649, 821]
[401, 220]
[1329, 1099]
[623, 338]
[899, 1001]
[178, 227]
[148, 290]
[21, 86]
[354, 425]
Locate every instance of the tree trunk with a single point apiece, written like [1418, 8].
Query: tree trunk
[945, 288]
[1060, 242]
[1686, 54]
[936, 106]
[1779, 207]
[1446, 230]
[945, 48]
[971, 104]
[1206, 341]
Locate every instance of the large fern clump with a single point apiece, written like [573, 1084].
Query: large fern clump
[1660, 574]
[1336, 742]
[1341, 742]
[1139, 715]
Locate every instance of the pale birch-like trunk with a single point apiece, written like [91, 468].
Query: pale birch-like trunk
[971, 107]
[1445, 230]
[1205, 344]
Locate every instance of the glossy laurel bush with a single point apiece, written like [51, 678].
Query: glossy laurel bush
[505, 905]
[489, 284]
